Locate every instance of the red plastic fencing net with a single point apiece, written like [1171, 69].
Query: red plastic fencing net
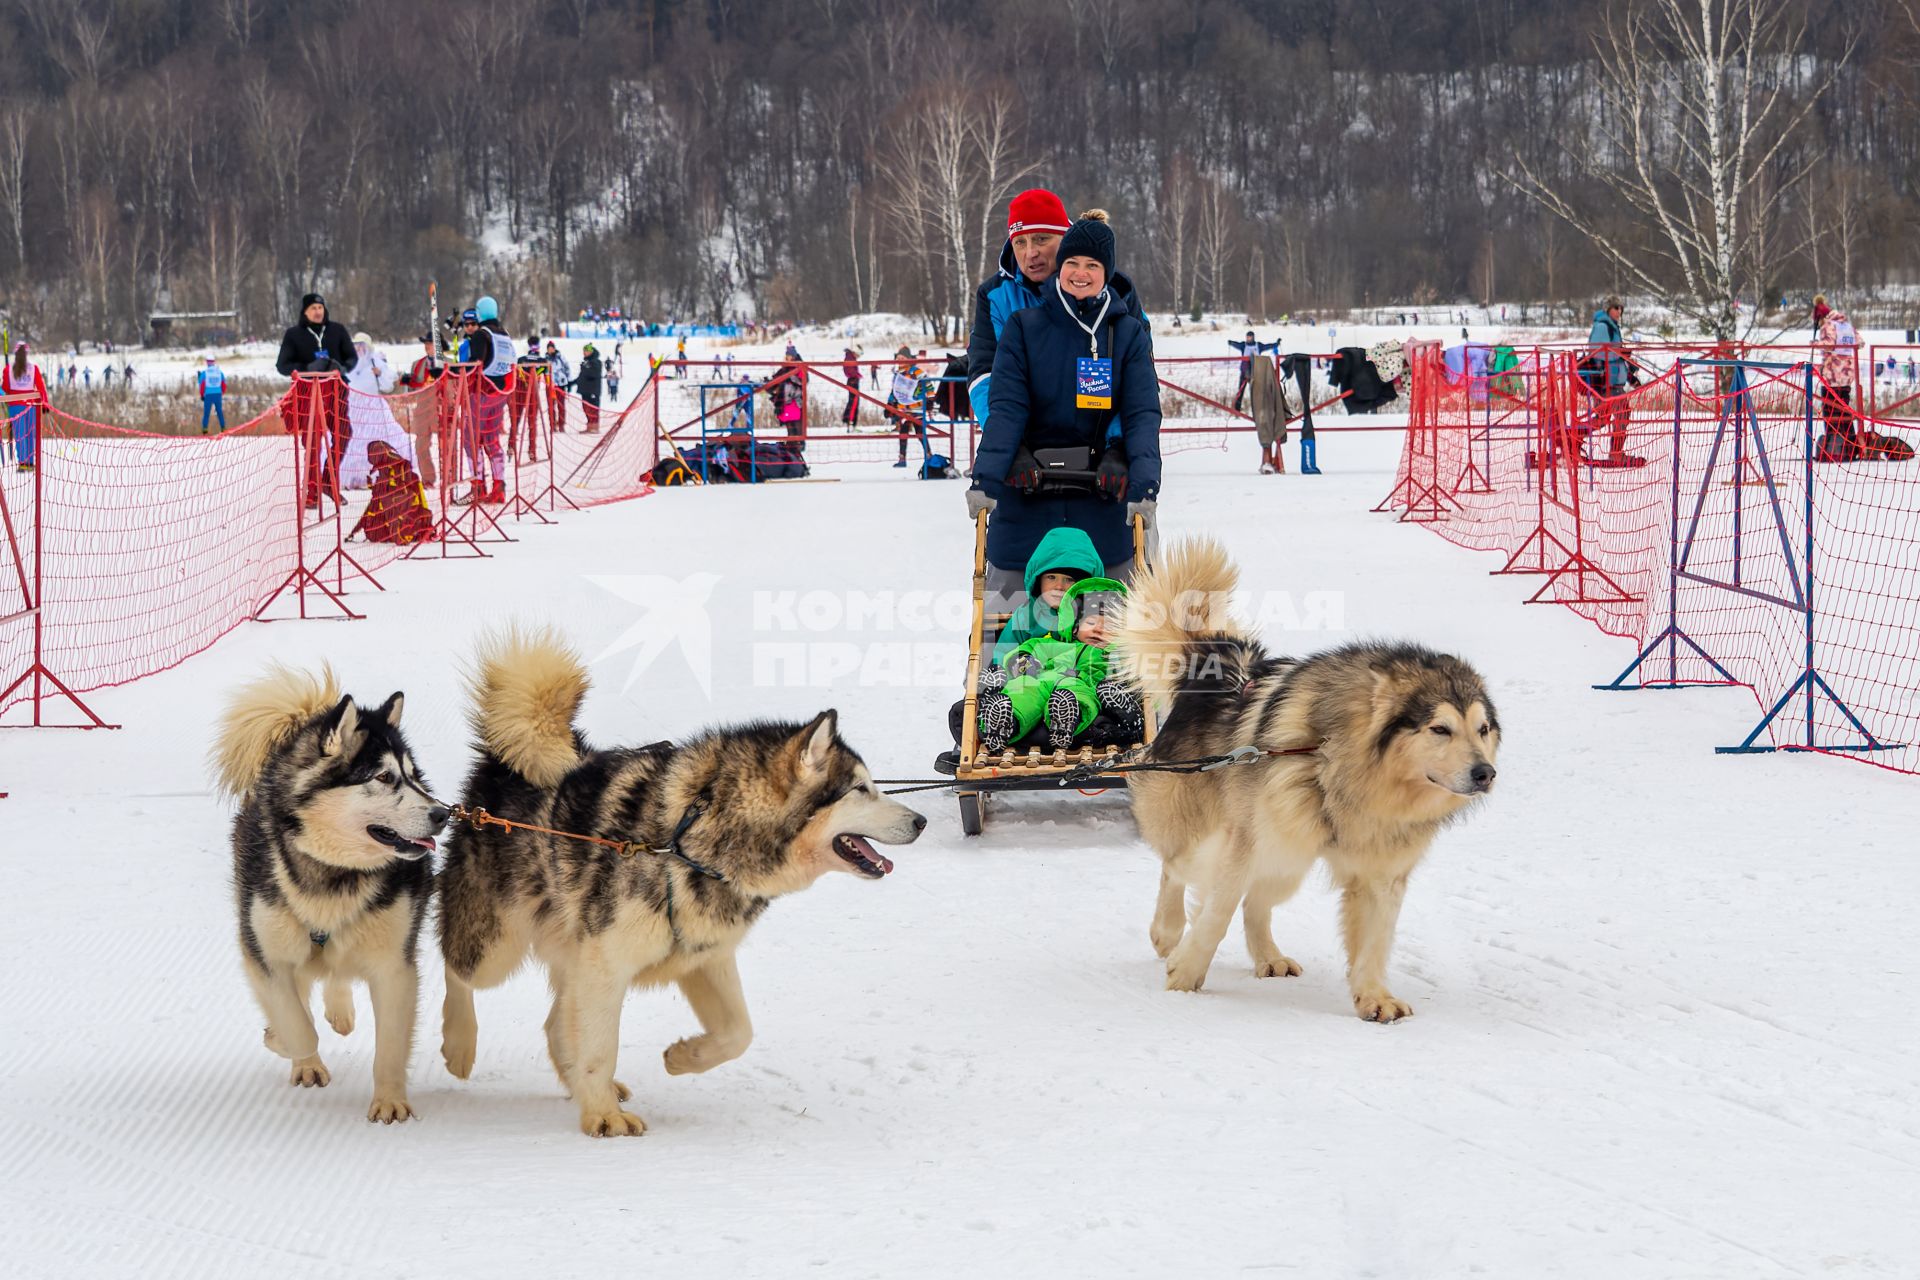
[1734, 515]
[735, 419]
[122, 552]
[798, 412]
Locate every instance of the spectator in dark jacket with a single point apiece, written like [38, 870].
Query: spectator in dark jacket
[586, 385]
[318, 354]
[1045, 397]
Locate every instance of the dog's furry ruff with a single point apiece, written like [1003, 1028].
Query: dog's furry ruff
[321, 898]
[771, 806]
[1396, 741]
[261, 716]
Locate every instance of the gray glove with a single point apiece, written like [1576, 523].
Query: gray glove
[1144, 510]
[978, 501]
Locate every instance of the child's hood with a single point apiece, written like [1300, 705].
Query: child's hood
[1063, 548]
[1070, 606]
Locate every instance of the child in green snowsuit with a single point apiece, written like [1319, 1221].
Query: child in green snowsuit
[1061, 678]
[1065, 556]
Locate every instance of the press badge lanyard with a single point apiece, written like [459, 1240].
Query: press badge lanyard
[1093, 330]
[1093, 377]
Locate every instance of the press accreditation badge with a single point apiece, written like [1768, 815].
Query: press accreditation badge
[1093, 383]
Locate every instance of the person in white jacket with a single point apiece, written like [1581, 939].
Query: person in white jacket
[368, 383]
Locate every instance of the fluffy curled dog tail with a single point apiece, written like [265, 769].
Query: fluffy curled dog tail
[261, 717]
[526, 689]
[1180, 632]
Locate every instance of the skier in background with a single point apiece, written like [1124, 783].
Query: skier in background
[559, 378]
[1248, 350]
[212, 382]
[525, 400]
[485, 343]
[851, 372]
[20, 381]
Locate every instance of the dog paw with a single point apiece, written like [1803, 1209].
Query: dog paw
[1276, 967]
[1185, 977]
[389, 1110]
[688, 1057]
[310, 1073]
[1381, 1007]
[458, 1057]
[611, 1124]
[702, 1053]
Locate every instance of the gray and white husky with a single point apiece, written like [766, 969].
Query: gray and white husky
[330, 867]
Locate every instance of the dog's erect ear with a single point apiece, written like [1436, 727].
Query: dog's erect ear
[342, 726]
[390, 709]
[817, 739]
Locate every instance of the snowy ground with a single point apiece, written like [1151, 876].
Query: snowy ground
[1661, 1025]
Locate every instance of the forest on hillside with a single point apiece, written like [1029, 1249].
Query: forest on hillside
[800, 159]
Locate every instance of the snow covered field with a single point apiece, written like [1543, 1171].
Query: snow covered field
[1661, 1020]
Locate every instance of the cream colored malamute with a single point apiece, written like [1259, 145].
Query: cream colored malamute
[1392, 743]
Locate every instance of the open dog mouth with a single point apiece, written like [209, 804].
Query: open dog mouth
[405, 846]
[862, 856]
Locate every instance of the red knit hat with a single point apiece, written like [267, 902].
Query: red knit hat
[1037, 209]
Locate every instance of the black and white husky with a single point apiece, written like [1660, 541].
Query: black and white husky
[330, 867]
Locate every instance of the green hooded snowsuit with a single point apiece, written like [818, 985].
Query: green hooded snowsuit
[1058, 661]
[1064, 548]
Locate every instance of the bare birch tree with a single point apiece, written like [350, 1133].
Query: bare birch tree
[1698, 102]
[15, 125]
[952, 156]
[1176, 217]
[1217, 240]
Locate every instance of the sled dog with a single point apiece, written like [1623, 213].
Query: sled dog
[713, 829]
[1388, 744]
[330, 867]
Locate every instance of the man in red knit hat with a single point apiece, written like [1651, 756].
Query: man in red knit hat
[1036, 219]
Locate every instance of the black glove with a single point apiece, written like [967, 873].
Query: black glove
[1024, 474]
[1111, 478]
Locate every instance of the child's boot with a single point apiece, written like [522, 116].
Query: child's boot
[1120, 701]
[996, 722]
[1063, 717]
